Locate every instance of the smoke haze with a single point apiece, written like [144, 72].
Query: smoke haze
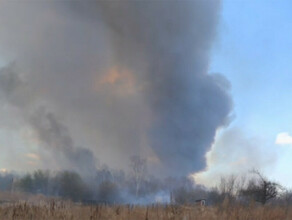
[112, 79]
[234, 152]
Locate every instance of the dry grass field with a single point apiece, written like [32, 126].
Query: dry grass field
[55, 210]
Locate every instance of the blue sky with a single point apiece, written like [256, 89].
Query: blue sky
[254, 51]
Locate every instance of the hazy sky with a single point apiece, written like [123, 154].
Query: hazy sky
[253, 50]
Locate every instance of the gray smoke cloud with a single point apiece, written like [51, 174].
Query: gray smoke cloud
[51, 132]
[55, 135]
[126, 77]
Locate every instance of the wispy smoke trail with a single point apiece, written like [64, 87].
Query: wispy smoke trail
[51, 132]
[56, 136]
[131, 74]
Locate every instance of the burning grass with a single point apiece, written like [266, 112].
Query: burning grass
[67, 210]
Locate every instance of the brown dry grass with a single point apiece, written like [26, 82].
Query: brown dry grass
[66, 210]
[18, 206]
[8, 197]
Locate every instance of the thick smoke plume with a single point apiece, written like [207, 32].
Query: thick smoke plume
[126, 77]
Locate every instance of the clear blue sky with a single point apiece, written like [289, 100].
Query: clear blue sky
[254, 51]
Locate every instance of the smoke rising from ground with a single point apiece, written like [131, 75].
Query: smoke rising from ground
[51, 133]
[126, 78]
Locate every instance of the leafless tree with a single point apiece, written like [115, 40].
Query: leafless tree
[227, 185]
[287, 197]
[241, 183]
[261, 189]
[139, 169]
[226, 189]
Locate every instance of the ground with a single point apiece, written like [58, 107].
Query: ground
[24, 207]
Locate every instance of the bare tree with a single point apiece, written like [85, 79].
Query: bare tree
[139, 169]
[287, 197]
[227, 185]
[226, 189]
[240, 184]
[261, 189]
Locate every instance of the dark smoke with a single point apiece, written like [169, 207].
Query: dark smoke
[128, 77]
[56, 136]
[51, 132]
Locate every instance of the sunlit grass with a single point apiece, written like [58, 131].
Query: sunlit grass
[58, 209]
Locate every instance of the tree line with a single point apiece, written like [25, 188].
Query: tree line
[111, 186]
